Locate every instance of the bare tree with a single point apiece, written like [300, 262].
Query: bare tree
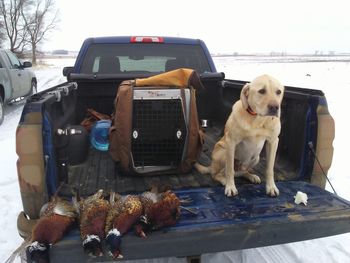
[2, 33]
[40, 18]
[10, 13]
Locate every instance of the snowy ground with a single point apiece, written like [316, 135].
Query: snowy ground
[329, 74]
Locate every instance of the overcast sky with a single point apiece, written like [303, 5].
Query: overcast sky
[225, 26]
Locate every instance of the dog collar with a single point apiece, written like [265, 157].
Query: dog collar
[250, 111]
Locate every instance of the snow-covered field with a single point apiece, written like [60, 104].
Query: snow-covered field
[329, 74]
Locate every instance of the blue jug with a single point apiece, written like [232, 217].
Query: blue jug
[99, 135]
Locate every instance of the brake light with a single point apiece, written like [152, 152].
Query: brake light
[147, 40]
[30, 164]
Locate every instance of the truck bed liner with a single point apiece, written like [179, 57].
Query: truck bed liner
[99, 172]
[251, 219]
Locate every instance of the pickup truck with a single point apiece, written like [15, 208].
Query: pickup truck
[16, 80]
[251, 219]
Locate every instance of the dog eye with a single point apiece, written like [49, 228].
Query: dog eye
[278, 92]
[262, 91]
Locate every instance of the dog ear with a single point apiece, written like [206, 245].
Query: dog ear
[244, 95]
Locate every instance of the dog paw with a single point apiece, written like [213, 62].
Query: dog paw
[231, 190]
[272, 190]
[254, 178]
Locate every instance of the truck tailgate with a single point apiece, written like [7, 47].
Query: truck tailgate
[249, 220]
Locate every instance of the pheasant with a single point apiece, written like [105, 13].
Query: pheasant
[92, 218]
[56, 218]
[160, 210]
[124, 213]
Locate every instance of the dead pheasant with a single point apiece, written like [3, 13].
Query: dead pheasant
[92, 218]
[124, 213]
[160, 210]
[56, 218]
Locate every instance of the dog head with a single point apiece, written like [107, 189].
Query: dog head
[263, 96]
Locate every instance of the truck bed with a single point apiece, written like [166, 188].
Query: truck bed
[100, 172]
[251, 219]
[214, 105]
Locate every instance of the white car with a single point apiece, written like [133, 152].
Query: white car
[16, 79]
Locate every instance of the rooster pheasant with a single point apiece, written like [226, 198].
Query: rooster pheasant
[56, 218]
[92, 218]
[124, 213]
[160, 210]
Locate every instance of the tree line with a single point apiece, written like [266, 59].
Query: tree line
[24, 24]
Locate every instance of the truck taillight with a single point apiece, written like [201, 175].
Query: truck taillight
[31, 166]
[147, 40]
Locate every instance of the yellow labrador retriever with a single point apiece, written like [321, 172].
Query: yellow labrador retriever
[254, 120]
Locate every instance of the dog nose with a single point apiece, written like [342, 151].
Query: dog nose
[273, 109]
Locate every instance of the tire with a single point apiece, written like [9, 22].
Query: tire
[2, 110]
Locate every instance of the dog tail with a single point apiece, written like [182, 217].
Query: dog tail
[202, 169]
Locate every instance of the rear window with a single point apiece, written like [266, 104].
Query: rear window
[143, 58]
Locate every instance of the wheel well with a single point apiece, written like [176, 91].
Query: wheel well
[2, 92]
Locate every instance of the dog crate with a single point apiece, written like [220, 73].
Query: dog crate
[159, 128]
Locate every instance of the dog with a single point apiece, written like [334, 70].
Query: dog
[254, 120]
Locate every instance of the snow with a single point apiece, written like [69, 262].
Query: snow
[330, 74]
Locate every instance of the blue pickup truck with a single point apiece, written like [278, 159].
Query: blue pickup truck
[47, 157]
